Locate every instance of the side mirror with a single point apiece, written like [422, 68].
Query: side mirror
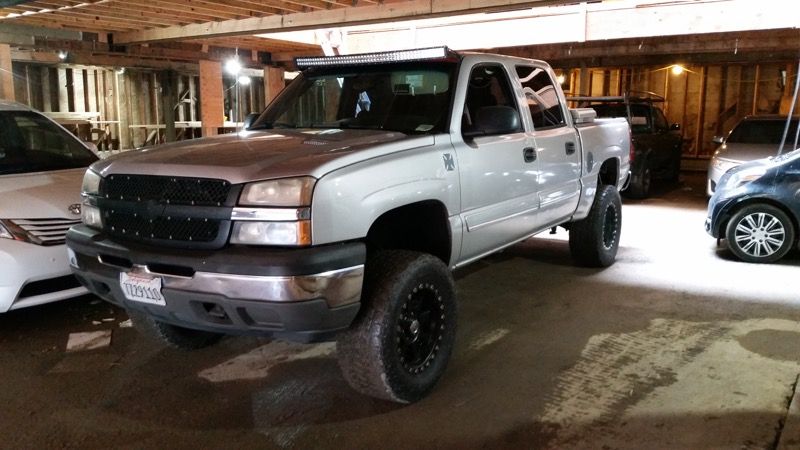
[718, 140]
[92, 146]
[494, 120]
[249, 120]
[675, 126]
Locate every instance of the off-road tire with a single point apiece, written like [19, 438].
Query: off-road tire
[173, 336]
[640, 186]
[760, 233]
[594, 241]
[397, 285]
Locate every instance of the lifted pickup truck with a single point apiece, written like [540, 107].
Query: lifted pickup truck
[340, 213]
[656, 146]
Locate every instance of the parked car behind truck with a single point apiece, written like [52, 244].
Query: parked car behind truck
[753, 137]
[342, 210]
[656, 146]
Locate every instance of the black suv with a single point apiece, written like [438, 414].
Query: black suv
[656, 146]
[755, 207]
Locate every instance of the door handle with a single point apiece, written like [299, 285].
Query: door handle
[529, 154]
[570, 148]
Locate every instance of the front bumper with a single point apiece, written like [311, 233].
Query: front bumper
[33, 274]
[295, 294]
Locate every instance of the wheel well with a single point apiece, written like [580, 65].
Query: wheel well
[723, 225]
[609, 173]
[422, 227]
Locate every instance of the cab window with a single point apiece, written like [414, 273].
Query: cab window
[490, 107]
[541, 95]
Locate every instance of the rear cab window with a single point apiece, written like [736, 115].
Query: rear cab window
[541, 96]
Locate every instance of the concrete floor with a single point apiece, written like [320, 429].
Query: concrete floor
[675, 346]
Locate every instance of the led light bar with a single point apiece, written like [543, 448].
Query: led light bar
[375, 58]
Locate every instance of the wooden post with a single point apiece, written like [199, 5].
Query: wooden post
[585, 80]
[63, 90]
[47, 105]
[78, 92]
[698, 141]
[211, 107]
[755, 89]
[168, 104]
[273, 83]
[6, 73]
[121, 94]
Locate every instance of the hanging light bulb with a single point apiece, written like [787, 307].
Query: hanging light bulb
[62, 55]
[233, 66]
[677, 69]
[244, 80]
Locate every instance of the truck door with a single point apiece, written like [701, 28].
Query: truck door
[498, 166]
[557, 146]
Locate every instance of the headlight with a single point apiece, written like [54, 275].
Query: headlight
[280, 193]
[91, 183]
[272, 233]
[4, 233]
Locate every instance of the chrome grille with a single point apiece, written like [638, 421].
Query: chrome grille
[46, 231]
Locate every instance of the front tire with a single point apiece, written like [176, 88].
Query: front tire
[760, 234]
[594, 241]
[400, 343]
[173, 336]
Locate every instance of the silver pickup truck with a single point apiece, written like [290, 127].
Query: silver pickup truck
[341, 211]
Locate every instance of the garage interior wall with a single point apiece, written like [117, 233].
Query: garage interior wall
[706, 100]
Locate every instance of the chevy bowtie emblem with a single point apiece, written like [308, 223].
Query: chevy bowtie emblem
[75, 209]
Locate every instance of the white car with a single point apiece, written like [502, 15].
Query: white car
[754, 137]
[41, 168]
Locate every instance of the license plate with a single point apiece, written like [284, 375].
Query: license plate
[141, 288]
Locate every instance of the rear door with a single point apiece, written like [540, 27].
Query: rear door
[557, 147]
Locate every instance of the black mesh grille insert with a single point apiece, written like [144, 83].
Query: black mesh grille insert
[135, 227]
[168, 190]
[163, 210]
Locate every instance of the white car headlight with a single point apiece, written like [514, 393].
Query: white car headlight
[91, 183]
[279, 193]
[4, 233]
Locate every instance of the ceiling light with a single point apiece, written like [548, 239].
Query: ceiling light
[677, 69]
[244, 80]
[233, 66]
[62, 55]
[561, 79]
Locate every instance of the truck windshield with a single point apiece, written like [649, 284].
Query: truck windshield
[29, 142]
[411, 98]
[762, 132]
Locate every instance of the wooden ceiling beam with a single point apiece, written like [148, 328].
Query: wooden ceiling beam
[157, 8]
[116, 16]
[70, 23]
[211, 13]
[384, 12]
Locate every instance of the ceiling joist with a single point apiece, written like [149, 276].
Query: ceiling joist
[340, 16]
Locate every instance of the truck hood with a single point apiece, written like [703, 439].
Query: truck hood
[746, 152]
[257, 155]
[41, 195]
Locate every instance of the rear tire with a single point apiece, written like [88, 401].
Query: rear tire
[760, 233]
[594, 241]
[640, 186]
[173, 336]
[399, 345]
